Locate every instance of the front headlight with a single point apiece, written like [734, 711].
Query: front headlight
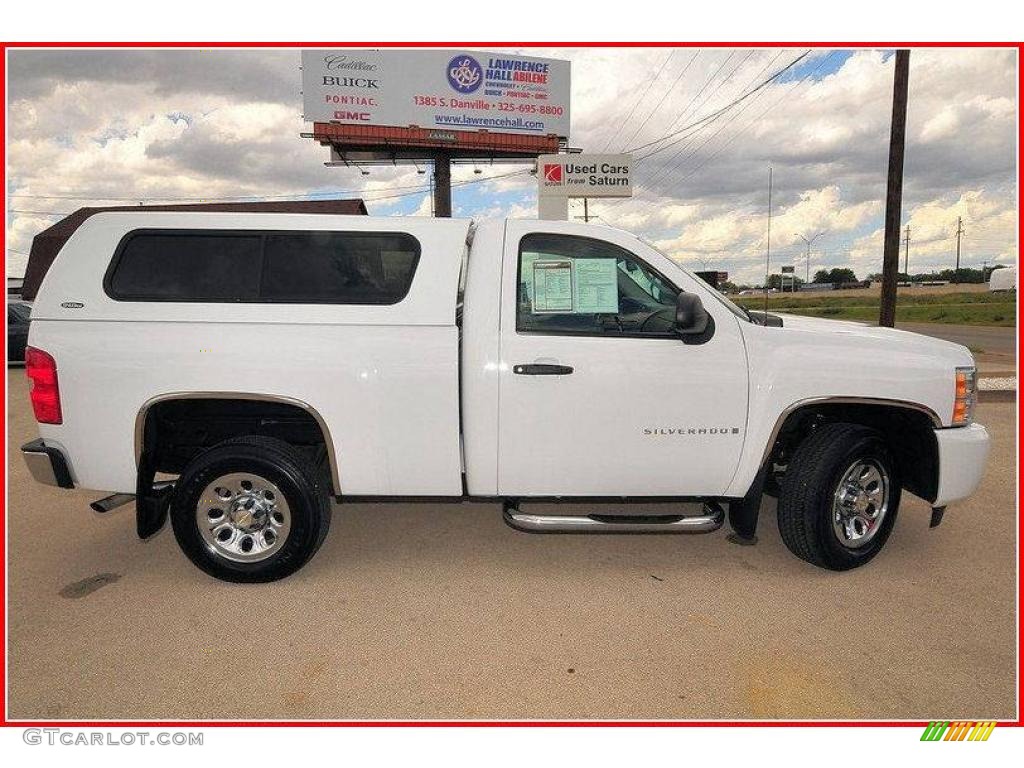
[966, 395]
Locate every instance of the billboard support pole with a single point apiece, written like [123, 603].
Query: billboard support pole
[443, 185]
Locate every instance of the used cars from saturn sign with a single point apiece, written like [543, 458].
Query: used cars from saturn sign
[461, 90]
[585, 175]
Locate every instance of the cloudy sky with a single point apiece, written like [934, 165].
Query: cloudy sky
[105, 127]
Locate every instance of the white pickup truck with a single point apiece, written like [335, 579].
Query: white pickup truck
[240, 370]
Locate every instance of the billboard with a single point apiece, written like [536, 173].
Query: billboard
[437, 89]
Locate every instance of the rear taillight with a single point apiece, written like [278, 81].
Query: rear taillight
[42, 370]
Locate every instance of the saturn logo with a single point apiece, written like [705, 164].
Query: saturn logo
[552, 173]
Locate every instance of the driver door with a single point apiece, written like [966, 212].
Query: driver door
[598, 395]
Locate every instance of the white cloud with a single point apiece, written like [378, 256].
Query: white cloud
[204, 124]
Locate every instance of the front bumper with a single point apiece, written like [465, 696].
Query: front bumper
[962, 455]
[47, 464]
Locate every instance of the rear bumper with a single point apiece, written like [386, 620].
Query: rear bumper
[47, 464]
[962, 455]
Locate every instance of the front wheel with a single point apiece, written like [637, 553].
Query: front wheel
[250, 509]
[839, 498]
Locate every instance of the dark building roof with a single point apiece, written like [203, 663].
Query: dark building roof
[47, 244]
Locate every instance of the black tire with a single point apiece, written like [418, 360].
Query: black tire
[805, 509]
[290, 470]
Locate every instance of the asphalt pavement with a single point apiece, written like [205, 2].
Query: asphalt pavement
[993, 340]
[441, 611]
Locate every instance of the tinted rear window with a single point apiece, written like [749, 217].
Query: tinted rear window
[188, 267]
[339, 267]
[284, 267]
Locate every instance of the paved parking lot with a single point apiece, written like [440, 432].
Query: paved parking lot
[441, 611]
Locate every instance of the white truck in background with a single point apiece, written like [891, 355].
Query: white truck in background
[265, 364]
[1003, 279]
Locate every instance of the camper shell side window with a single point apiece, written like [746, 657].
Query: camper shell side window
[289, 267]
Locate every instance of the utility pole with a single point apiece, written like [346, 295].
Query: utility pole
[906, 254]
[807, 273]
[894, 189]
[959, 232]
[768, 252]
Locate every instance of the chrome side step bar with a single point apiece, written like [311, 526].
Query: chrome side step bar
[711, 518]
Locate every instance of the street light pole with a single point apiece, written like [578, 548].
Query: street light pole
[807, 274]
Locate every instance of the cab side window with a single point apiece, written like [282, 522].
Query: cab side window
[579, 285]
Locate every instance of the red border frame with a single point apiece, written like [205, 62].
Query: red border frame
[5, 722]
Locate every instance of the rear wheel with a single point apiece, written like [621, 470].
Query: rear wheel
[250, 509]
[840, 496]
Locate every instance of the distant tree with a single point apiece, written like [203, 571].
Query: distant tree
[727, 287]
[835, 275]
[901, 277]
[965, 275]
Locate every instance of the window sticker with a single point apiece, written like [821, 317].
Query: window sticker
[552, 286]
[597, 286]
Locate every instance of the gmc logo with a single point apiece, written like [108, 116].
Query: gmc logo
[364, 116]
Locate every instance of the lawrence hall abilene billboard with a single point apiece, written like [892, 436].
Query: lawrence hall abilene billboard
[437, 89]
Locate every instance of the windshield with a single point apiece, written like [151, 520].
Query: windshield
[739, 311]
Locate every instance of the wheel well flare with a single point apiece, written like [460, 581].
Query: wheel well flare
[175, 428]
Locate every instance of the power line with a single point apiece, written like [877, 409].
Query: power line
[650, 84]
[206, 198]
[770, 107]
[465, 182]
[665, 170]
[369, 197]
[786, 94]
[714, 116]
[663, 97]
[669, 166]
[717, 112]
[693, 99]
[686, 138]
[36, 213]
[666, 173]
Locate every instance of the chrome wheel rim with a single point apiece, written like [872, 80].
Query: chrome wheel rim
[860, 503]
[243, 517]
